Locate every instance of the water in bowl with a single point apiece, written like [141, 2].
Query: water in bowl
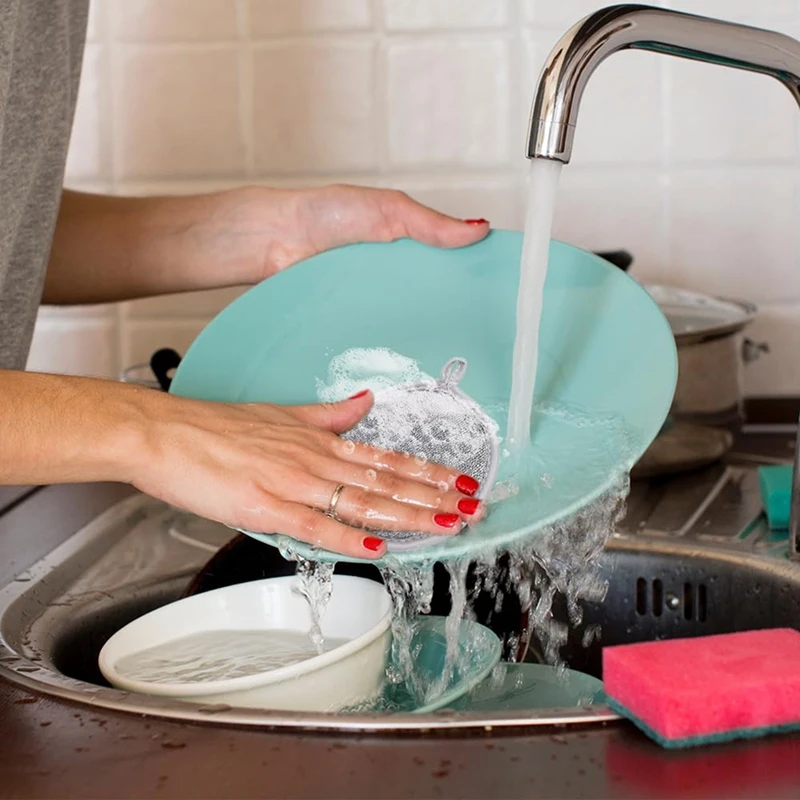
[209, 656]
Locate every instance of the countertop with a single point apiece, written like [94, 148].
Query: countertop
[55, 749]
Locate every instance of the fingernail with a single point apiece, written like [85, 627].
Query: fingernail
[372, 543]
[445, 520]
[467, 485]
[476, 221]
[469, 505]
[358, 394]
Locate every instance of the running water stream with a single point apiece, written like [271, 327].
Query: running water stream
[542, 190]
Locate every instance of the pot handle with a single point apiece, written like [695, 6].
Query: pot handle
[751, 351]
[619, 258]
[163, 363]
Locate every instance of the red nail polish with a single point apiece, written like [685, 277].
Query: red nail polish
[476, 221]
[469, 505]
[467, 485]
[372, 543]
[358, 394]
[445, 520]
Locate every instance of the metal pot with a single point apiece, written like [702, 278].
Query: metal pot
[712, 353]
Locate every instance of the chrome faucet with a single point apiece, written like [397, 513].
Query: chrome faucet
[622, 27]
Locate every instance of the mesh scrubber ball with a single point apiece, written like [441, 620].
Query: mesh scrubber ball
[433, 421]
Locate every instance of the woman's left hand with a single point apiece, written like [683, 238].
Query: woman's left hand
[231, 238]
[286, 226]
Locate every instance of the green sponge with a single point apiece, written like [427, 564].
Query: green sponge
[776, 494]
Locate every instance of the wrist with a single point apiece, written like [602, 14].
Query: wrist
[135, 433]
[264, 221]
[63, 429]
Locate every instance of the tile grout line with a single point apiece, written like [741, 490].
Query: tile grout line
[665, 179]
[380, 92]
[110, 86]
[246, 74]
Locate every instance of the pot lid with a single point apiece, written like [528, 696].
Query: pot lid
[693, 314]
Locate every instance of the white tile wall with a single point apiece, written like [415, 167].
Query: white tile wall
[274, 18]
[695, 169]
[708, 99]
[174, 20]
[90, 151]
[302, 124]
[734, 232]
[176, 112]
[448, 15]
[76, 341]
[448, 105]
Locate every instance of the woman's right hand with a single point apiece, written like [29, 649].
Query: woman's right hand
[274, 469]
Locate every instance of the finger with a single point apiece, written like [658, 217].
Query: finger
[406, 217]
[374, 512]
[406, 466]
[334, 417]
[315, 528]
[395, 487]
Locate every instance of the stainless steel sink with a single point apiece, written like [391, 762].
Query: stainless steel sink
[692, 557]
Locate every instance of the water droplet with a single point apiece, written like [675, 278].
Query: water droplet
[349, 447]
[421, 459]
[372, 475]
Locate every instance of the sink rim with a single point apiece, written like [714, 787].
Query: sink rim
[38, 677]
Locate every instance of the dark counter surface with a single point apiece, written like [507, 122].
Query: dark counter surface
[53, 749]
[56, 750]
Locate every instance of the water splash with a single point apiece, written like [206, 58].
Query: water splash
[557, 563]
[411, 590]
[315, 583]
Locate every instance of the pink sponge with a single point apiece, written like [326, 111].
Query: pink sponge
[684, 692]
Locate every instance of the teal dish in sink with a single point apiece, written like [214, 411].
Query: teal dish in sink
[607, 360]
[532, 687]
[479, 653]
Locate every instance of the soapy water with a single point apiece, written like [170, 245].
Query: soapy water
[368, 368]
[559, 559]
[220, 655]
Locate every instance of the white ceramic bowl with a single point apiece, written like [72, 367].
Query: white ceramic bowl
[359, 611]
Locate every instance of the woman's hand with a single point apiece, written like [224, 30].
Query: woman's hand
[286, 226]
[120, 248]
[275, 469]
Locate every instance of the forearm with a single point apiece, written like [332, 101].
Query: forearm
[119, 248]
[56, 429]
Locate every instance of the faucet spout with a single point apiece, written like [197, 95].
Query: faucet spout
[588, 43]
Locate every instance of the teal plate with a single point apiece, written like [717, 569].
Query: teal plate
[479, 655]
[532, 687]
[607, 360]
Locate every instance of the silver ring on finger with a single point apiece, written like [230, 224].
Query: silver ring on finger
[334, 501]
